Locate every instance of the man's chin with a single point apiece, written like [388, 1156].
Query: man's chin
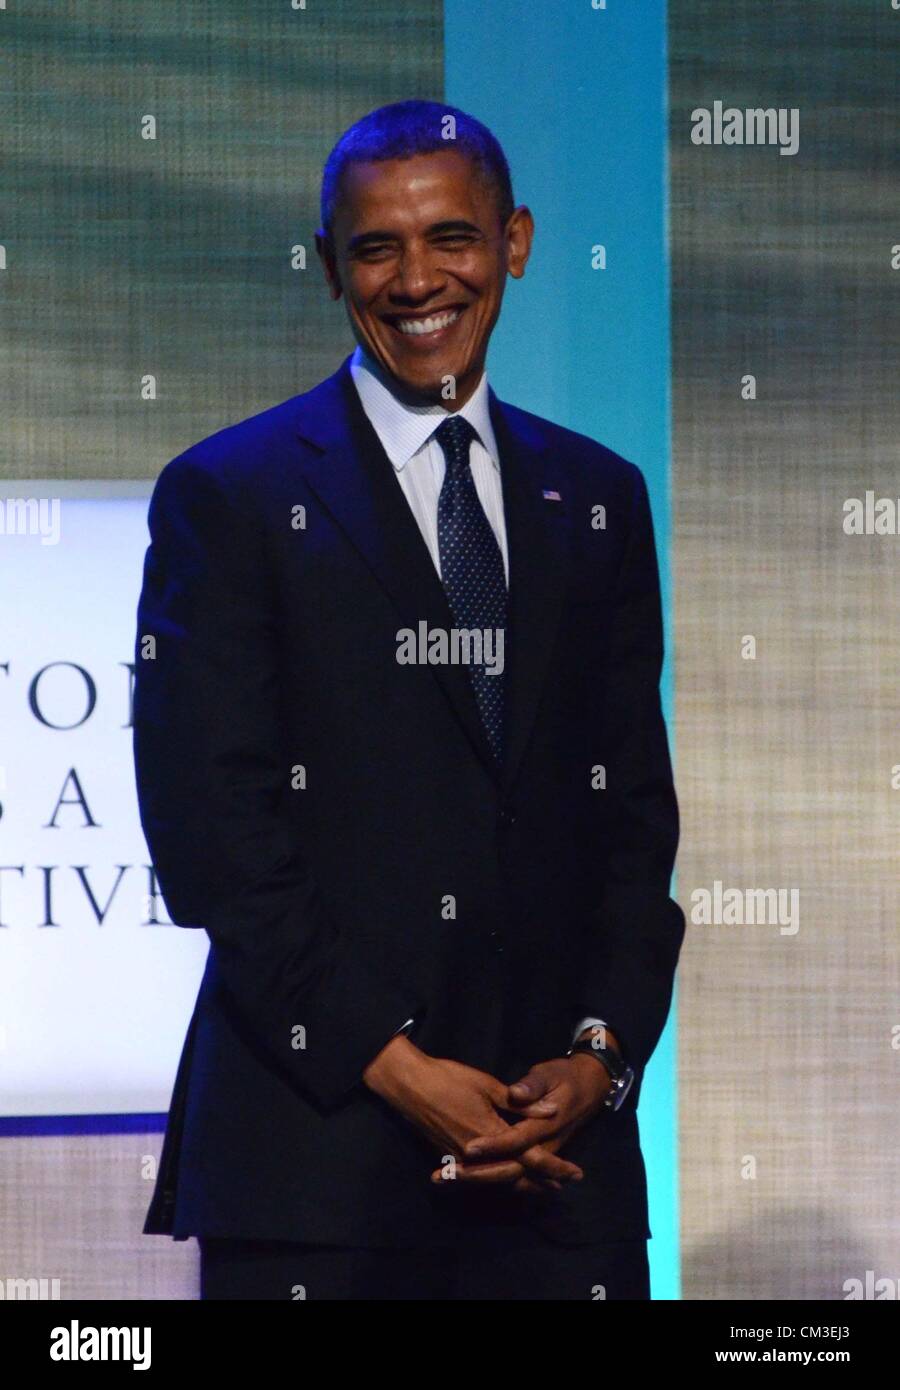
[419, 376]
[427, 381]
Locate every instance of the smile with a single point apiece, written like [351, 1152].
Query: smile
[435, 323]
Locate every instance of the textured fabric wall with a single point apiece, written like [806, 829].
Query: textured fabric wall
[127, 257]
[170, 258]
[782, 269]
[72, 1208]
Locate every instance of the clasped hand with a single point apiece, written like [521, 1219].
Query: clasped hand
[462, 1110]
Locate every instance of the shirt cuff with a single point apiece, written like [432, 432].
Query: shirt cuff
[588, 1023]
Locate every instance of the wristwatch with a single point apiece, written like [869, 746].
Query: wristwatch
[620, 1073]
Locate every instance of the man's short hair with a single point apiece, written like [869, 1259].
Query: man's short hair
[406, 128]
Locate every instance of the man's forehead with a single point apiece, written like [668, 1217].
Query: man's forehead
[424, 179]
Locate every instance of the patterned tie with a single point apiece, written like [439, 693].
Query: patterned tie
[472, 570]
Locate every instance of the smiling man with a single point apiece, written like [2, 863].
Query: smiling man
[421, 247]
[442, 945]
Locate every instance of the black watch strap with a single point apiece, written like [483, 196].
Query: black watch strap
[607, 1055]
[620, 1073]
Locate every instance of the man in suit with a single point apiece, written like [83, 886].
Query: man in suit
[400, 753]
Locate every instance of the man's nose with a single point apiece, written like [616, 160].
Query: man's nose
[418, 275]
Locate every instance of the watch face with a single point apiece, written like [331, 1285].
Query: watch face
[620, 1088]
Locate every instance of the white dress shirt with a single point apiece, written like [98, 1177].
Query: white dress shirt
[407, 437]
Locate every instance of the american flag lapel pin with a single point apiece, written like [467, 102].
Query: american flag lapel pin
[550, 494]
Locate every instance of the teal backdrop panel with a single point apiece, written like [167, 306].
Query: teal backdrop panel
[577, 95]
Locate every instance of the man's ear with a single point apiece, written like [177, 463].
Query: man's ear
[325, 251]
[519, 234]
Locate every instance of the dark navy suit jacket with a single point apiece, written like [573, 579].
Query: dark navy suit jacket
[313, 805]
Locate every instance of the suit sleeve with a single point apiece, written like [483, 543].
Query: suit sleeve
[214, 778]
[636, 929]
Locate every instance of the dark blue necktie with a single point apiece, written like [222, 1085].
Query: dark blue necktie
[472, 569]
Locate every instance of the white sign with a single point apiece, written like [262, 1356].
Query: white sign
[96, 985]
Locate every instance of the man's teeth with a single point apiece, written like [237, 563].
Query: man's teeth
[429, 325]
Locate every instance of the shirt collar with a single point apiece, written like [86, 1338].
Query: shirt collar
[402, 428]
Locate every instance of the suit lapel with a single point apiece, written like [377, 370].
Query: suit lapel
[353, 478]
[537, 532]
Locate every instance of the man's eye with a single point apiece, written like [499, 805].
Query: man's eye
[372, 253]
[458, 240]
